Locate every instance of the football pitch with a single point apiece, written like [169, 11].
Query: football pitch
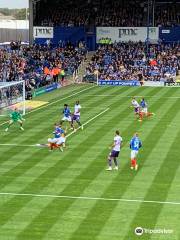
[69, 195]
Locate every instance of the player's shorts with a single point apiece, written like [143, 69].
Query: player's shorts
[67, 119]
[136, 110]
[15, 120]
[76, 118]
[53, 140]
[144, 110]
[114, 154]
[61, 140]
[134, 153]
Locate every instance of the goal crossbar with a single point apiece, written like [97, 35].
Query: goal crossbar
[7, 85]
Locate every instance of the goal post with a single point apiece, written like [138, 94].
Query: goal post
[12, 95]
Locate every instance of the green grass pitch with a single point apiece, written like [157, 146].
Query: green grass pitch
[69, 195]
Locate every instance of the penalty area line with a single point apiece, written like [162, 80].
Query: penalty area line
[35, 145]
[87, 198]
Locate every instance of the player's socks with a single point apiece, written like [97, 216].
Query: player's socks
[66, 130]
[8, 127]
[82, 127]
[61, 149]
[110, 164]
[72, 127]
[52, 145]
[135, 162]
[136, 167]
[140, 116]
[132, 162]
[115, 162]
[22, 128]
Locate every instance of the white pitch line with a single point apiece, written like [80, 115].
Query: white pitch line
[34, 145]
[128, 96]
[51, 103]
[90, 120]
[87, 198]
[17, 145]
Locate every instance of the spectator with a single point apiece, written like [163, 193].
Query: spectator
[38, 65]
[127, 61]
[106, 13]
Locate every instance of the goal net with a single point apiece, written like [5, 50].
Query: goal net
[12, 95]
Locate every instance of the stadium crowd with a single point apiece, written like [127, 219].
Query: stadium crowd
[106, 13]
[39, 65]
[129, 61]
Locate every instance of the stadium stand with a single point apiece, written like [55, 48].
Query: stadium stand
[129, 61]
[106, 13]
[39, 65]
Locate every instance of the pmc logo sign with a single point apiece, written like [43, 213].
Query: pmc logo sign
[139, 231]
[43, 32]
[127, 32]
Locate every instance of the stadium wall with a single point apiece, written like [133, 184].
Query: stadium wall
[126, 34]
[14, 30]
[169, 34]
[76, 34]
[72, 34]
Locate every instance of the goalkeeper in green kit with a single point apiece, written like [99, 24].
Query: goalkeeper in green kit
[15, 117]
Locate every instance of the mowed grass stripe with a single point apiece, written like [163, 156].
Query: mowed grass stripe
[13, 227]
[70, 155]
[51, 173]
[131, 129]
[102, 178]
[86, 176]
[36, 118]
[110, 191]
[66, 95]
[62, 92]
[140, 186]
[166, 172]
[169, 216]
[39, 133]
[25, 161]
[64, 192]
[28, 162]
